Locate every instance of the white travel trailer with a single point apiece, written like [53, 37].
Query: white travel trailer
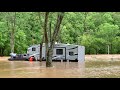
[60, 52]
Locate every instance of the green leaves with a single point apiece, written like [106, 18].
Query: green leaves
[3, 34]
[94, 30]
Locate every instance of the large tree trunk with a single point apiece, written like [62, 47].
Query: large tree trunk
[55, 34]
[46, 38]
[41, 44]
[49, 51]
[49, 32]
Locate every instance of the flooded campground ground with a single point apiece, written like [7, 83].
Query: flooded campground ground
[95, 66]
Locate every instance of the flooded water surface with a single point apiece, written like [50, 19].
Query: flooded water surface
[26, 69]
[36, 69]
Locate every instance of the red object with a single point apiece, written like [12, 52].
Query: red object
[31, 59]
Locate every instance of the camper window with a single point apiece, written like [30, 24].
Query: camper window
[33, 49]
[71, 53]
[59, 51]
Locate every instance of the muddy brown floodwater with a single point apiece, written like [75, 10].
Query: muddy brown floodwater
[36, 69]
[93, 67]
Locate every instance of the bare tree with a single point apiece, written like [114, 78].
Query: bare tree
[53, 39]
[50, 39]
[46, 36]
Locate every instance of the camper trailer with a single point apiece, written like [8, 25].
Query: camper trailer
[60, 52]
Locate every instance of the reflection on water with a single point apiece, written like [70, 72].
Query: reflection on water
[26, 69]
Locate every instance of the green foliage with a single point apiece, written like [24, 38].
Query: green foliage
[94, 30]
